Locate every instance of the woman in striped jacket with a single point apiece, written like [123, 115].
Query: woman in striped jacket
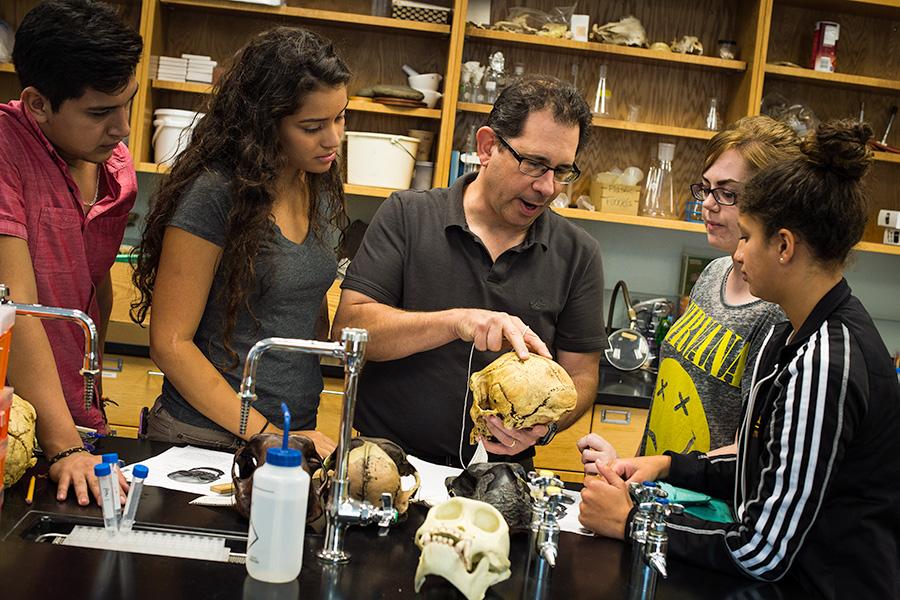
[815, 482]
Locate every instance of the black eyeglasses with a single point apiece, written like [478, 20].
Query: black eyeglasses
[536, 169]
[720, 195]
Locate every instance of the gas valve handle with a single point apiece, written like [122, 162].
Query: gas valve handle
[388, 513]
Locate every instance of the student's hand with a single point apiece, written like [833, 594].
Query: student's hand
[605, 504]
[77, 471]
[491, 330]
[595, 449]
[324, 444]
[511, 441]
[640, 468]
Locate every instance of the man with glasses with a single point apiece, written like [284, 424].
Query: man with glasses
[447, 278]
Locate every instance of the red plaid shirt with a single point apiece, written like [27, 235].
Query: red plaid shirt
[71, 252]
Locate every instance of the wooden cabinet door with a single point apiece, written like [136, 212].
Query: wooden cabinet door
[561, 455]
[621, 426]
[134, 385]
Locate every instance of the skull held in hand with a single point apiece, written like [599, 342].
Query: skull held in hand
[522, 393]
[375, 466]
[502, 485]
[251, 456]
[467, 543]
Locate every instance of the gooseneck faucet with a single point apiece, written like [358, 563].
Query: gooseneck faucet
[342, 511]
[91, 366]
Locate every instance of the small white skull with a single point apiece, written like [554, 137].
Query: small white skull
[467, 543]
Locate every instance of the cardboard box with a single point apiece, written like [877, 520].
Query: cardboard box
[616, 198]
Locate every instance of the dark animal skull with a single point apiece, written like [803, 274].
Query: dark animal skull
[253, 455]
[502, 485]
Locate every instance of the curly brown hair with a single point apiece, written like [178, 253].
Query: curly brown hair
[270, 79]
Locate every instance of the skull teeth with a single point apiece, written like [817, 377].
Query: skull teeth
[452, 537]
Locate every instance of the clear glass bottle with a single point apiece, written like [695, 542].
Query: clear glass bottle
[712, 115]
[603, 97]
[493, 78]
[658, 199]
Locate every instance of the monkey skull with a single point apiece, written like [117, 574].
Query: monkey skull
[467, 543]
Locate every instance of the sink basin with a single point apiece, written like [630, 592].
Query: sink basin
[625, 388]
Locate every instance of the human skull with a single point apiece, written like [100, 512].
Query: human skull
[252, 455]
[689, 44]
[522, 393]
[467, 543]
[502, 485]
[627, 32]
[375, 466]
[20, 449]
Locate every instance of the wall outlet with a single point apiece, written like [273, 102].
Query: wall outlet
[889, 218]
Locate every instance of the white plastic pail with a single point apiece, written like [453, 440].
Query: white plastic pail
[173, 133]
[380, 159]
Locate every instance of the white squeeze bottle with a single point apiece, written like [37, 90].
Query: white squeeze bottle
[278, 515]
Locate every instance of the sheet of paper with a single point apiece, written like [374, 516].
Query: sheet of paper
[432, 489]
[569, 522]
[177, 459]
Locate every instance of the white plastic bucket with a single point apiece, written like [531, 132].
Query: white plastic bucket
[172, 135]
[380, 159]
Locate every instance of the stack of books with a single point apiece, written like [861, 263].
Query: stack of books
[199, 68]
[169, 68]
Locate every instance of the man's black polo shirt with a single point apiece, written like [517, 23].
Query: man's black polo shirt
[419, 254]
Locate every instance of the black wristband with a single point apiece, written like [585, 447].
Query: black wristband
[64, 453]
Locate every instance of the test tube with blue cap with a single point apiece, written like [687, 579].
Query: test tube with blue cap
[112, 459]
[138, 475]
[104, 474]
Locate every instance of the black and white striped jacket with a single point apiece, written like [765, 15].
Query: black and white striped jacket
[816, 480]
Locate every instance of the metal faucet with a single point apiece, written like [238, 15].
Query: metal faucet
[649, 539]
[342, 511]
[91, 366]
[547, 505]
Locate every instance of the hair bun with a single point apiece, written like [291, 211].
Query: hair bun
[840, 147]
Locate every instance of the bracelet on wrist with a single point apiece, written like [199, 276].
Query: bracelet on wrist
[64, 453]
[266, 426]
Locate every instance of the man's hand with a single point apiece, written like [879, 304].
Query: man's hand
[511, 441]
[77, 471]
[493, 331]
[324, 444]
[605, 504]
[594, 449]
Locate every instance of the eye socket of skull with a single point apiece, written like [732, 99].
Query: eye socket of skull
[486, 521]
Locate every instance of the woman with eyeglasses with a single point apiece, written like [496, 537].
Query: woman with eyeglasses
[815, 482]
[707, 356]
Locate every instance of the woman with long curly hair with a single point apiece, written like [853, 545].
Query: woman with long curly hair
[239, 244]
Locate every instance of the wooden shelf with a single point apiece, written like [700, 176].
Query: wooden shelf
[627, 52]
[832, 79]
[888, 157]
[356, 104]
[878, 248]
[7, 67]
[353, 190]
[311, 14]
[682, 132]
[589, 215]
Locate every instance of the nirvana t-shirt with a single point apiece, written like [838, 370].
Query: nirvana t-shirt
[705, 368]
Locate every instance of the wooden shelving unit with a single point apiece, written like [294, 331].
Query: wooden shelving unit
[589, 215]
[312, 14]
[889, 9]
[888, 157]
[843, 80]
[640, 54]
[7, 67]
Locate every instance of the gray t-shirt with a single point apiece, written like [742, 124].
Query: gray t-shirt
[291, 281]
[706, 365]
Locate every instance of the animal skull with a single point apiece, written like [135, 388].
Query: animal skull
[374, 466]
[502, 485]
[627, 32]
[21, 440]
[251, 456]
[522, 393]
[689, 44]
[467, 543]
